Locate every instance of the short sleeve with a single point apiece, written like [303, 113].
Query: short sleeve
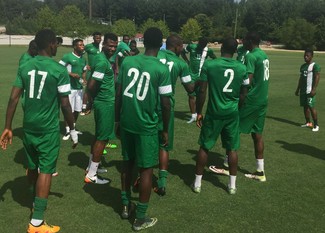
[64, 87]
[18, 81]
[99, 71]
[165, 86]
[250, 63]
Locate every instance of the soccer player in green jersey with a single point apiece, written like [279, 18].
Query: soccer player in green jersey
[226, 78]
[308, 82]
[241, 53]
[92, 50]
[177, 68]
[133, 46]
[252, 114]
[141, 81]
[198, 54]
[102, 89]
[47, 86]
[31, 52]
[122, 51]
[77, 67]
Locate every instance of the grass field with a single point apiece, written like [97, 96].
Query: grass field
[292, 199]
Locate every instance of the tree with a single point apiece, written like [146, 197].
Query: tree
[46, 18]
[124, 27]
[159, 24]
[205, 24]
[71, 23]
[320, 33]
[191, 31]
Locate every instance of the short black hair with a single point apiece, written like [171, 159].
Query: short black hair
[44, 38]
[59, 40]
[133, 42]
[173, 41]
[253, 37]
[229, 45]
[203, 41]
[32, 45]
[126, 36]
[97, 34]
[110, 36]
[152, 38]
[309, 50]
[76, 41]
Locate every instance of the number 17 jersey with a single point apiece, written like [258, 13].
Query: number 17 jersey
[143, 79]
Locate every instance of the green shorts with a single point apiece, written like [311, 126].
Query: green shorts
[170, 145]
[252, 118]
[42, 150]
[306, 100]
[196, 90]
[143, 149]
[104, 120]
[228, 128]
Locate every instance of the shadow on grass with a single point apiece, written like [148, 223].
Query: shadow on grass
[20, 158]
[283, 120]
[18, 132]
[78, 159]
[303, 149]
[182, 115]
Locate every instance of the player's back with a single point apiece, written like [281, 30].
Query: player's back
[142, 78]
[42, 79]
[92, 50]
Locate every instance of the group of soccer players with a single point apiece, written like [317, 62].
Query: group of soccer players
[135, 98]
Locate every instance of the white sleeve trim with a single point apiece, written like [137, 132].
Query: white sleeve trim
[186, 79]
[246, 81]
[165, 89]
[62, 63]
[64, 88]
[98, 75]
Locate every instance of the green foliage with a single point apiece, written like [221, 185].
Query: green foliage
[297, 34]
[159, 24]
[205, 24]
[320, 34]
[21, 26]
[46, 18]
[191, 31]
[124, 27]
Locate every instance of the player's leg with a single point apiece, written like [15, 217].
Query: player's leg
[311, 107]
[201, 161]
[306, 111]
[233, 162]
[72, 103]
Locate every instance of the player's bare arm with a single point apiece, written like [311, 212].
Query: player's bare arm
[165, 107]
[316, 81]
[118, 98]
[200, 102]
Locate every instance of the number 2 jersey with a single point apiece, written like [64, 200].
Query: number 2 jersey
[143, 79]
[44, 81]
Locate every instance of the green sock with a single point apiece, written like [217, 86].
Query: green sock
[126, 195]
[162, 178]
[39, 208]
[141, 210]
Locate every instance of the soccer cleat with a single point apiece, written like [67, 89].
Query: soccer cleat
[55, 174]
[44, 228]
[316, 128]
[160, 191]
[191, 120]
[66, 136]
[231, 191]
[196, 189]
[85, 112]
[127, 210]
[141, 224]
[260, 176]
[104, 152]
[99, 170]
[111, 146]
[308, 125]
[220, 171]
[96, 180]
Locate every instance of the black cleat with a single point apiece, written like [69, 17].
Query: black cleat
[160, 191]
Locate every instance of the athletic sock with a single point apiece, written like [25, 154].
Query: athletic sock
[315, 123]
[84, 106]
[197, 182]
[126, 196]
[67, 129]
[194, 115]
[92, 169]
[141, 210]
[40, 205]
[260, 165]
[90, 159]
[232, 182]
[162, 178]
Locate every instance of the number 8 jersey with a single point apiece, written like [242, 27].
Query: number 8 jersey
[43, 80]
[143, 79]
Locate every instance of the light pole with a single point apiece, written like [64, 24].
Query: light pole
[236, 17]
[90, 9]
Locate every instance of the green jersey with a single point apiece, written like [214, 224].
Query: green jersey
[103, 73]
[225, 77]
[92, 50]
[121, 49]
[197, 58]
[75, 64]
[258, 64]
[142, 78]
[241, 53]
[307, 74]
[24, 58]
[43, 81]
[177, 68]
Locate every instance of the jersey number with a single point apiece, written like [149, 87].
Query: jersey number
[169, 64]
[228, 74]
[32, 83]
[266, 69]
[142, 82]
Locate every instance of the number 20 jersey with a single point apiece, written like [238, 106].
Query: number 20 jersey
[143, 79]
[43, 81]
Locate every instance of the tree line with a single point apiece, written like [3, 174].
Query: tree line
[297, 24]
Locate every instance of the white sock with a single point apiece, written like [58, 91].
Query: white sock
[232, 182]
[67, 129]
[225, 162]
[197, 182]
[92, 169]
[194, 115]
[84, 106]
[260, 165]
[90, 159]
[36, 222]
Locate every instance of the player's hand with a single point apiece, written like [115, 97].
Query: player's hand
[74, 138]
[164, 136]
[199, 120]
[88, 67]
[118, 130]
[312, 92]
[6, 137]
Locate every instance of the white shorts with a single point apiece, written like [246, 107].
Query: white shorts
[75, 99]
